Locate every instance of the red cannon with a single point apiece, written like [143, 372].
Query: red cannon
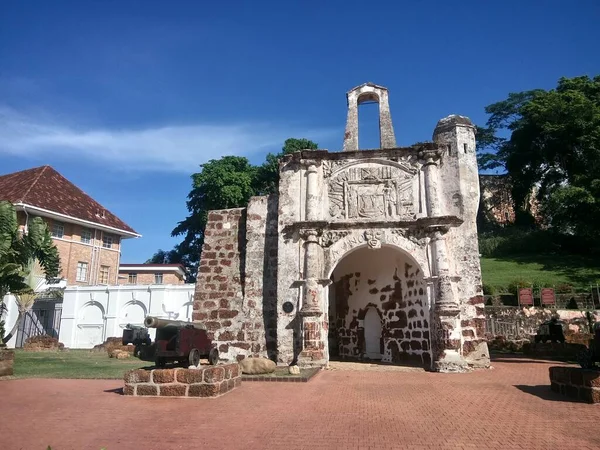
[182, 342]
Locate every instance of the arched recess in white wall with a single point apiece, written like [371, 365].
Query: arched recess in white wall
[133, 312]
[90, 330]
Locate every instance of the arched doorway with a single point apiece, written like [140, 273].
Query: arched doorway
[372, 327]
[379, 307]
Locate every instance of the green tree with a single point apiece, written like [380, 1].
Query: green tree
[553, 145]
[268, 173]
[23, 257]
[228, 182]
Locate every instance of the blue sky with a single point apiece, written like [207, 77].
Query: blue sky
[127, 98]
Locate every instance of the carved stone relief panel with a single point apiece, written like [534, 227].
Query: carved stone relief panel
[372, 191]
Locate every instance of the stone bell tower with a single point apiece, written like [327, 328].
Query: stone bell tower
[369, 92]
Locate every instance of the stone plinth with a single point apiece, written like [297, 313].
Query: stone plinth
[211, 381]
[577, 383]
[7, 358]
[554, 350]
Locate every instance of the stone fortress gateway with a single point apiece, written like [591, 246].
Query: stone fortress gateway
[363, 254]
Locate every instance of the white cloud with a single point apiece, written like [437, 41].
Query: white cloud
[166, 148]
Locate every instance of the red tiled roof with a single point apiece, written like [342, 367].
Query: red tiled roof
[45, 188]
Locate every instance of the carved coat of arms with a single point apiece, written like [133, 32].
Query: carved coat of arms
[372, 192]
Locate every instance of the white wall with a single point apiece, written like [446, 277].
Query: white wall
[93, 313]
[10, 317]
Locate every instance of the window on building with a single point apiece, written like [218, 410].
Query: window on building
[58, 229]
[158, 278]
[86, 235]
[82, 268]
[132, 278]
[107, 241]
[104, 274]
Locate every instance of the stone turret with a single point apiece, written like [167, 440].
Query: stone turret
[460, 177]
[459, 174]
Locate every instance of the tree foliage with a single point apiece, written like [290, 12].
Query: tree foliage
[553, 145]
[21, 255]
[223, 183]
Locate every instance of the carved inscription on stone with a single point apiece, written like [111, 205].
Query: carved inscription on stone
[331, 237]
[374, 191]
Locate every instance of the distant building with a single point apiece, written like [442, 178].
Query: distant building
[497, 202]
[87, 235]
[151, 274]
[496, 198]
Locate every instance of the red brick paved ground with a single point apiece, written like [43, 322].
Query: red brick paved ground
[508, 407]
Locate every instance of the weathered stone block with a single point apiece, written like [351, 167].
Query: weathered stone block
[214, 375]
[204, 390]
[576, 378]
[591, 378]
[172, 390]
[6, 368]
[146, 389]
[137, 376]
[256, 366]
[190, 376]
[129, 389]
[163, 375]
[571, 391]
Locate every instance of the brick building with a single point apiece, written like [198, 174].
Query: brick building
[151, 274]
[87, 235]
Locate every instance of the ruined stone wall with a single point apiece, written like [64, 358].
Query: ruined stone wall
[260, 290]
[388, 281]
[290, 256]
[219, 295]
[236, 288]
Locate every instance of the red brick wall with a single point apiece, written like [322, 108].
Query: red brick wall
[219, 296]
[148, 277]
[72, 251]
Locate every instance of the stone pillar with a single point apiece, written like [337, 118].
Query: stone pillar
[313, 320]
[445, 321]
[387, 138]
[351, 134]
[312, 191]
[430, 172]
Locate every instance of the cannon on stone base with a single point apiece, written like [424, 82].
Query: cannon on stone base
[551, 330]
[184, 342]
[136, 335]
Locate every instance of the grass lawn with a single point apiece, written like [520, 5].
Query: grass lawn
[72, 364]
[548, 269]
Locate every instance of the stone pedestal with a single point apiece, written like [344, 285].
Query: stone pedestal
[7, 359]
[210, 381]
[577, 383]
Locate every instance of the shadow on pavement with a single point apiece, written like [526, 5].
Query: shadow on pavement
[544, 392]
[118, 391]
[507, 358]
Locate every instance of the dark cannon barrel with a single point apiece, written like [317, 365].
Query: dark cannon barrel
[155, 322]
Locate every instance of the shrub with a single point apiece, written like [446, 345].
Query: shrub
[572, 304]
[564, 289]
[515, 285]
[488, 289]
